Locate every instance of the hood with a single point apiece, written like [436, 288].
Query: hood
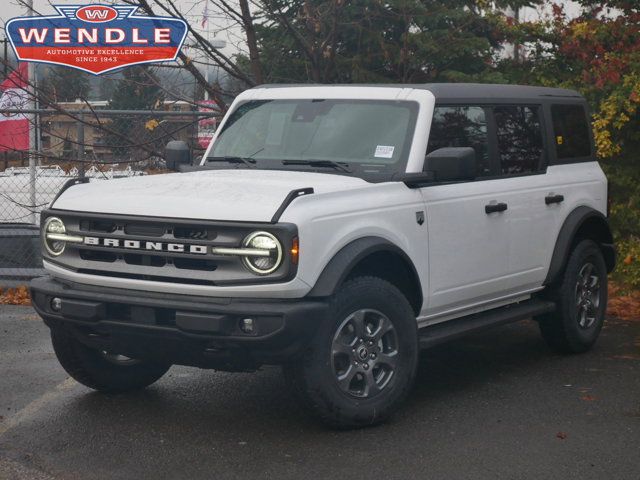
[235, 195]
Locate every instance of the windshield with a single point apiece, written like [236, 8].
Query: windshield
[366, 138]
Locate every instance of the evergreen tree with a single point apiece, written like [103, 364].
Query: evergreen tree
[137, 90]
[64, 84]
[333, 41]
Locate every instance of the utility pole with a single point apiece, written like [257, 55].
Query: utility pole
[6, 57]
[32, 130]
[516, 45]
[6, 72]
[80, 141]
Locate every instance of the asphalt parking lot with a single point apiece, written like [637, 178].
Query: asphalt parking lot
[494, 405]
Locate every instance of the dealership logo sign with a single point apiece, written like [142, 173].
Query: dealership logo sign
[96, 38]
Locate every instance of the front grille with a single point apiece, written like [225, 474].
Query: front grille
[193, 232]
[145, 230]
[144, 260]
[142, 250]
[97, 256]
[97, 226]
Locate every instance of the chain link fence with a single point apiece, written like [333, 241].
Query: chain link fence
[73, 142]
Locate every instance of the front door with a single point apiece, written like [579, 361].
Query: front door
[467, 226]
[468, 247]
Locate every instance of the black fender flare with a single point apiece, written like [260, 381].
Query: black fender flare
[343, 262]
[570, 228]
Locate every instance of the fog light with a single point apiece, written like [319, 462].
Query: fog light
[56, 304]
[246, 325]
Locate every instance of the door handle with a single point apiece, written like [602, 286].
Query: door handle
[495, 207]
[549, 199]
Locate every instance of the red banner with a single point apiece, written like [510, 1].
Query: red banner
[14, 127]
[207, 125]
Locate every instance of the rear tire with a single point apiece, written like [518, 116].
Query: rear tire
[581, 299]
[362, 361]
[102, 371]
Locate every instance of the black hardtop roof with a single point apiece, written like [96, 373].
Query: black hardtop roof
[480, 92]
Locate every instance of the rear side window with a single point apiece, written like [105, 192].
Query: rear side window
[571, 131]
[519, 134]
[461, 127]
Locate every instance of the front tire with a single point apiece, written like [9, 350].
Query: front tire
[102, 371]
[581, 299]
[362, 361]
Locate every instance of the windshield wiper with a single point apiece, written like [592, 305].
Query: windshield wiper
[343, 167]
[249, 162]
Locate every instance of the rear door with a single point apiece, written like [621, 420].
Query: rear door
[522, 165]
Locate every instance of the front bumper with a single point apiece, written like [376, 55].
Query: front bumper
[179, 329]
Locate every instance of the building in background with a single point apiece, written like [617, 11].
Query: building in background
[59, 131]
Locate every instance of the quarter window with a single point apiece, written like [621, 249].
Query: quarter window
[520, 148]
[571, 131]
[461, 127]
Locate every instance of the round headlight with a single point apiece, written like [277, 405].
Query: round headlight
[54, 226]
[272, 257]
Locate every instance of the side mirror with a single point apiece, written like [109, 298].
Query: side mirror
[176, 154]
[417, 179]
[452, 164]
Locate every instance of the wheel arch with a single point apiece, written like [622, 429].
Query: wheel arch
[371, 256]
[582, 223]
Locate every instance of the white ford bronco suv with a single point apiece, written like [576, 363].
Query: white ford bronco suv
[335, 230]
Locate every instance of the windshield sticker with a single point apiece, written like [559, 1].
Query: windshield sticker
[384, 151]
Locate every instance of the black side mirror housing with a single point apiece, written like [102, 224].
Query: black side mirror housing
[177, 154]
[452, 164]
[417, 179]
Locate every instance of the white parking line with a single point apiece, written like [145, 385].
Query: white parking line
[35, 406]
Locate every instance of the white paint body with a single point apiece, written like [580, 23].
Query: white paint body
[467, 260]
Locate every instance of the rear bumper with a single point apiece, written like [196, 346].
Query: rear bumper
[179, 329]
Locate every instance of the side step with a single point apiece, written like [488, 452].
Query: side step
[451, 329]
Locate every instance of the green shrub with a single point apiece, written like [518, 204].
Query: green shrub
[624, 192]
[628, 267]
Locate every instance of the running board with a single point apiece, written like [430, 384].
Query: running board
[451, 329]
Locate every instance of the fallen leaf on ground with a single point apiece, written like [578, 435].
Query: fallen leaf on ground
[624, 306]
[626, 357]
[588, 398]
[15, 296]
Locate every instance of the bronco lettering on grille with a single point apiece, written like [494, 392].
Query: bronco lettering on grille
[144, 245]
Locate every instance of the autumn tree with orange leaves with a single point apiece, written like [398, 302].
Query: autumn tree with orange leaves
[598, 54]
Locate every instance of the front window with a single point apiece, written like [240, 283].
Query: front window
[366, 138]
[461, 126]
